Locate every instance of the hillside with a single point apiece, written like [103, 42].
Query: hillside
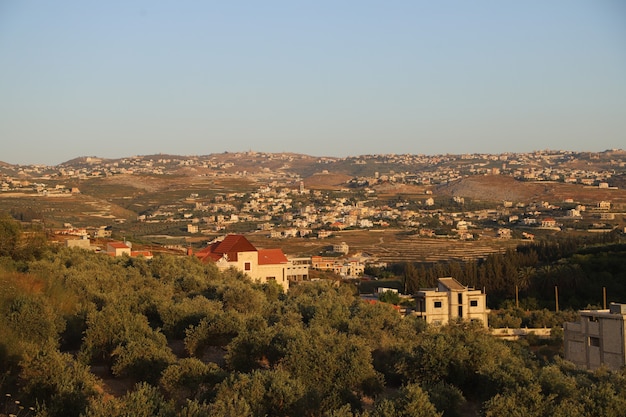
[499, 188]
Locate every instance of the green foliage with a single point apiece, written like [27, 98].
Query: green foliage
[243, 299]
[143, 401]
[30, 319]
[10, 235]
[127, 343]
[187, 274]
[20, 245]
[503, 319]
[542, 318]
[260, 393]
[390, 297]
[526, 402]
[190, 378]
[178, 316]
[217, 329]
[579, 267]
[61, 383]
[465, 355]
[336, 368]
[322, 303]
[411, 401]
[248, 351]
[447, 398]
[318, 350]
[142, 360]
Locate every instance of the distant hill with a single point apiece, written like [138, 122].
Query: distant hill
[491, 188]
[326, 180]
[504, 188]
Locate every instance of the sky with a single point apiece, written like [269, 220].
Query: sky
[119, 78]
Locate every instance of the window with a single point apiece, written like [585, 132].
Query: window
[594, 341]
[246, 266]
[460, 297]
[474, 303]
[437, 304]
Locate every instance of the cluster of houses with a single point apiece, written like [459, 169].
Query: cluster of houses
[286, 210]
[542, 165]
[282, 214]
[113, 248]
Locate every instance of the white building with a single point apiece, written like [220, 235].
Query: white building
[451, 300]
[341, 248]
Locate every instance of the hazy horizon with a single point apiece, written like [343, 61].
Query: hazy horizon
[116, 79]
[164, 154]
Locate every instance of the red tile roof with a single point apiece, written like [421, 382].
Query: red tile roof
[233, 244]
[271, 256]
[118, 245]
[230, 246]
[144, 253]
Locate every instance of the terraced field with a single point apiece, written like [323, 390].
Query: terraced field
[415, 248]
[389, 246]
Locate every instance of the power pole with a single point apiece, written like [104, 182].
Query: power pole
[556, 297]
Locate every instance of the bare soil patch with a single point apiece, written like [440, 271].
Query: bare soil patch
[326, 181]
[499, 188]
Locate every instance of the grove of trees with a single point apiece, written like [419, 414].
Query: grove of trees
[85, 334]
[579, 267]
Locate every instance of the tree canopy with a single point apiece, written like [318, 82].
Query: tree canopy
[82, 334]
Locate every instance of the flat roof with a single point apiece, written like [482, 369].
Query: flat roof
[451, 283]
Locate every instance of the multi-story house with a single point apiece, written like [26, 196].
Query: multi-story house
[341, 248]
[349, 268]
[261, 265]
[598, 338]
[451, 300]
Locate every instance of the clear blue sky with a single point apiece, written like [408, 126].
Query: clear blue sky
[325, 78]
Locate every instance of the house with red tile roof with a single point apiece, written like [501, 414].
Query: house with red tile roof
[116, 248]
[261, 265]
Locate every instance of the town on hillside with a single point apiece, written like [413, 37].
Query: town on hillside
[386, 208]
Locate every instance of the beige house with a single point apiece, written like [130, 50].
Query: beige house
[346, 267]
[341, 248]
[261, 265]
[451, 300]
[298, 269]
[118, 248]
[83, 243]
[597, 338]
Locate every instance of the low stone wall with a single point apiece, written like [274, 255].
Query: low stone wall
[514, 334]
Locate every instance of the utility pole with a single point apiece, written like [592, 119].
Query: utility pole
[604, 297]
[556, 297]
